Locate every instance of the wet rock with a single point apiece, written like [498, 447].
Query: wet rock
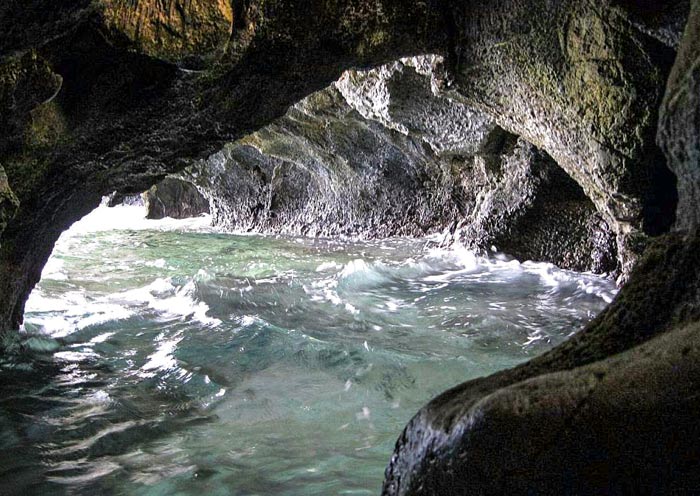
[679, 126]
[117, 198]
[27, 82]
[174, 198]
[126, 115]
[610, 411]
[521, 202]
[384, 153]
[562, 80]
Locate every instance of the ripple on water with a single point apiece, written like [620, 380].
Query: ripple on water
[162, 358]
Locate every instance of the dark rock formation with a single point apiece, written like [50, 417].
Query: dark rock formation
[8, 201]
[117, 198]
[126, 115]
[581, 83]
[95, 98]
[518, 200]
[383, 153]
[186, 32]
[437, 450]
[585, 60]
[174, 198]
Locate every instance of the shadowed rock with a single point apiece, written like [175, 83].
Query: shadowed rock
[187, 32]
[383, 153]
[174, 198]
[679, 127]
[580, 82]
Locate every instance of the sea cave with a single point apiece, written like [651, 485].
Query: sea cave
[272, 247]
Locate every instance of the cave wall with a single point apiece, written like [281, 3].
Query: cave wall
[383, 153]
[112, 112]
[175, 198]
[105, 95]
[92, 104]
[562, 79]
[679, 127]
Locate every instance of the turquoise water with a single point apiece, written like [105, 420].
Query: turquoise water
[160, 358]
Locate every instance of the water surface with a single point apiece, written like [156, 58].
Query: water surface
[161, 358]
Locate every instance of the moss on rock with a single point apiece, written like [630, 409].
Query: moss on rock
[185, 32]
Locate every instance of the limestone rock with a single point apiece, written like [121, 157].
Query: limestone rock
[585, 92]
[583, 85]
[117, 198]
[611, 411]
[26, 82]
[518, 200]
[624, 425]
[174, 198]
[385, 153]
[8, 202]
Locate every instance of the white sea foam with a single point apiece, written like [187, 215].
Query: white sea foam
[132, 217]
[61, 316]
[163, 296]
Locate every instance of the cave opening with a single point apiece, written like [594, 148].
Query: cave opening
[426, 220]
[331, 273]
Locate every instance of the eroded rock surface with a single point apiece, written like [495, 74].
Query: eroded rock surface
[94, 99]
[8, 201]
[585, 92]
[585, 60]
[446, 449]
[384, 153]
[187, 32]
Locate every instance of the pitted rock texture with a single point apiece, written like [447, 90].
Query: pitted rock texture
[406, 96]
[27, 83]
[585, 92]
[585, 58]
[174, 198]
[382, 154]
[610, 411]
[679, 127]
[116, 199]
[516, 199]
[8, 201]
[127, 115]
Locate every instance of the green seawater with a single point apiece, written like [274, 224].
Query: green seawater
[162, 358]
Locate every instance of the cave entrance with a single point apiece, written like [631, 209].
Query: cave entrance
[180, 353]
